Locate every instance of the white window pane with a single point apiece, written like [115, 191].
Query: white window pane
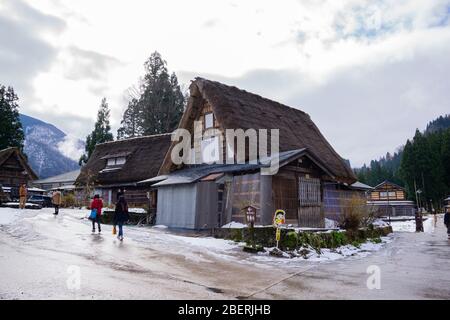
[111, 162]
[120, 161]
[209, 120]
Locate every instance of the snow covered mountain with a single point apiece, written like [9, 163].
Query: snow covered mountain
[50, 151]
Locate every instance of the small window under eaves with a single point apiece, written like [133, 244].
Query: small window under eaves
[209, 120]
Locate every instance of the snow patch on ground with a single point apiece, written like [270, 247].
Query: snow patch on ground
[410, 225]
[160, 226]
[206, 243]
[330, 224]
[325, 255]
[8, 216]
[137, 210]
[234, 225]
[380, 223]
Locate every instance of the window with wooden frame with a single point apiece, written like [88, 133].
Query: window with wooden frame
[119, 161]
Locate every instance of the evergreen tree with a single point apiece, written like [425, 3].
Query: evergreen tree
[162, 101]
[131, 124]
[160, 104]
[445, 159]
[100, 134]
[11, 131]
[425, 165]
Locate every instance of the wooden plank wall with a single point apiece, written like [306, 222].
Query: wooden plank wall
[246, 191]
[284, 194]
[310, 212]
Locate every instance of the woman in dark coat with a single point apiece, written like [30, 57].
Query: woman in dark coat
[121, 215]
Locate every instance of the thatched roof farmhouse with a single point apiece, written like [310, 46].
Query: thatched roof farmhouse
[313, 180]
[14, 168]
[122, 164]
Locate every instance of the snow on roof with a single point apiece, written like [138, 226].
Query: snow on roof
[65, 177]
[360, 185]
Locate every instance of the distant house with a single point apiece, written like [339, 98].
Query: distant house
[202, 196]
[14, 168]
[388, 198]
[65, 181]
[447, 204]
[122, 164]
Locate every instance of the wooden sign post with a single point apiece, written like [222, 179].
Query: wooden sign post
[250, 215]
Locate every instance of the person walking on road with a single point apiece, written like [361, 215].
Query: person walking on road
[23, 196]
[57, 200]
[97, 204]
[447, 222]
[121, 215]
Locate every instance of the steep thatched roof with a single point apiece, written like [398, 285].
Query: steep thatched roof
[144, 156]
[239, 109]
[5, 154]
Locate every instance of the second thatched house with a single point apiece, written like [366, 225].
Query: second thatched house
[14, 168]
[201, 195]
[122, 164]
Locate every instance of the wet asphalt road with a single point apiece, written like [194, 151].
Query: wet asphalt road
[47, 257]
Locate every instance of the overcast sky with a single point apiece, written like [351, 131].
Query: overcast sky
[368, 72]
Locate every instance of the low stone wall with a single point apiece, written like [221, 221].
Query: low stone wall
[291, 239]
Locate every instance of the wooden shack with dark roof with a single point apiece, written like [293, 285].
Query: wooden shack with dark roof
[122, 164]
[14, 168]
[198, 196]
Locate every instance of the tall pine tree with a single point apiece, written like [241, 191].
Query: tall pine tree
[11, 131]
[160, 105]
[131, 124]
[100, 134]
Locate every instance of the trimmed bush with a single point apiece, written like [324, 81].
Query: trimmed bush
[290, 241]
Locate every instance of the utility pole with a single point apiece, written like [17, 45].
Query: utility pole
[415, 192]
[389, 206]
[423, 188]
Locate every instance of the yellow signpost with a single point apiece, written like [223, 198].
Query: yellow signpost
[278, 220]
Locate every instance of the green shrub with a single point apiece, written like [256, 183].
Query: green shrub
[290, 240]
[338, 239]
[375, 240]
[236, 235]
[356, 243]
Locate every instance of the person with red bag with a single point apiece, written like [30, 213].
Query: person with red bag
[97, 205]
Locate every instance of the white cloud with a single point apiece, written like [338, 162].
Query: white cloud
[71, 147]
[372, 59]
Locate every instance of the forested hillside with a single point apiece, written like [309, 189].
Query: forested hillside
[424, 161]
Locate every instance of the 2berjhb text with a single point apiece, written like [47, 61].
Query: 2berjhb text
[225, 310]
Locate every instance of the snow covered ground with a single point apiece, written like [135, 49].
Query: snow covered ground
[410, 225]
[192, 247]
[37, 248]
[8, 216]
